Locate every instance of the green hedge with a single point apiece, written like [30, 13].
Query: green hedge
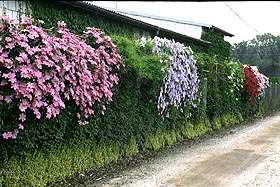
[130, 124]
[219, 47]
[42, 168]
[224, 81]
[132, 114]
[274, 80]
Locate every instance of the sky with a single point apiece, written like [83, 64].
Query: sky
[259, 16]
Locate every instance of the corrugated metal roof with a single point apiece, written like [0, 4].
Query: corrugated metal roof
[160, 18]
[169, 20]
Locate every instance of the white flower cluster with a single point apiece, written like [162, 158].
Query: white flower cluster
[181, 80]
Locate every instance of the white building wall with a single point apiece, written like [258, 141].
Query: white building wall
[13, 9]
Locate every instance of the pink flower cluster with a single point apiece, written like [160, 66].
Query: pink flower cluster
[43, 70]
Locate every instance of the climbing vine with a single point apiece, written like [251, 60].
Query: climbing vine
[39, 71]
[219, 46]
[181, 80]
[255, 82]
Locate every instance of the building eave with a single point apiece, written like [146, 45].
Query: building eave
[223, 31]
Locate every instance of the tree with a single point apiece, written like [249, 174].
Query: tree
[262, 51]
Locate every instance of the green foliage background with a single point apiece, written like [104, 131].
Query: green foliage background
[262, 51]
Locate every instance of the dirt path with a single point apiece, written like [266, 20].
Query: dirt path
[248, 157]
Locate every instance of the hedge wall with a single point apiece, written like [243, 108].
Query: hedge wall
[130, 124]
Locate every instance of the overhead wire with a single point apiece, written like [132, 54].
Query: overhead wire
[242, 19]
[250, 26]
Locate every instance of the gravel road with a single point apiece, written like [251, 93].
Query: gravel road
[250, 156]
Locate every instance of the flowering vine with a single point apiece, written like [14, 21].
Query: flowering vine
[181, 80]
[254, 82]
[42, 71]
